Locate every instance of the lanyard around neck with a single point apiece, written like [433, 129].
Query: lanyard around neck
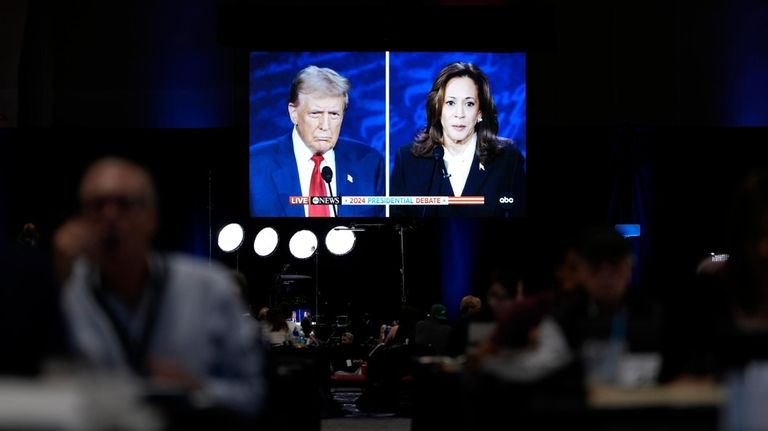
[135, 351]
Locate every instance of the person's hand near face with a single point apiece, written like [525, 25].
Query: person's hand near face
[118, 205]
[72, 240]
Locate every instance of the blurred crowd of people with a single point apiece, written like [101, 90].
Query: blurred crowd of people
[112, 304]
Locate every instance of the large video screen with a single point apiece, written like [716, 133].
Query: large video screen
[378, 134]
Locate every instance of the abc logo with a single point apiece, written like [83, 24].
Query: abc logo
[315, 200]
[506, 200]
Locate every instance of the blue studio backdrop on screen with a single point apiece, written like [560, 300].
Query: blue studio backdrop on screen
[271, 74]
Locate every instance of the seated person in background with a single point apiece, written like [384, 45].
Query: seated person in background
[469, 305]
[526, 344]
[290, 319]
[276, 329]
[525, 370]
[29, 236]
[166, 318]
[391, 359]
[504, 286]
[347, 357]
[388, 363]
[602, 319]
[310, 338]
[741, 334]
[347, 339]
[262, 316]
[435, 330]
[384, 331]
[402, 331]
[729, 299]
[718, 327]
[746, 271]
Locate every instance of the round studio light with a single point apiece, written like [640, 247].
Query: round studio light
[303, 244]
[266, 242]
[340, 240]
[230, 237]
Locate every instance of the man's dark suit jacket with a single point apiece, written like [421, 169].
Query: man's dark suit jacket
[274, 177]
[502, 176]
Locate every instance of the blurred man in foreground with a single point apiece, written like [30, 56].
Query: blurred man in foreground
[169, 319]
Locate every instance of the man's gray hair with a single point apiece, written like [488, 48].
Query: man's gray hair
[112, 162]
[322, 80]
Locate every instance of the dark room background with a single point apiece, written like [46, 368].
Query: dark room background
[632, 116]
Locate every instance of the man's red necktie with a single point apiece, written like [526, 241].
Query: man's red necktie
[317, 187]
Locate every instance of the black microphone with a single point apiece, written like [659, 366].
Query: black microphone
[438, 153]
[327, 174]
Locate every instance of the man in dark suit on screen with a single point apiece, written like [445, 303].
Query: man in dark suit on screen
[292, 165]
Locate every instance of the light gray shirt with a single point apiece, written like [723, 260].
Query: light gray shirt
[199, 326]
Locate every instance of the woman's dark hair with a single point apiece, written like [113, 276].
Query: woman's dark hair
[488, 144]
[276, 320]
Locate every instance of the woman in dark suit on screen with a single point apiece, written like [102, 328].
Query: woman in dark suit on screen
[459, 153]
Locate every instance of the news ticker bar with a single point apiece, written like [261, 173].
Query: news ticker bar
[387, 200]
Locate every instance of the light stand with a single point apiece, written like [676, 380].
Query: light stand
[403, 291]
[317, 284]
[277, 286]
[357, 227]
[210, 221]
